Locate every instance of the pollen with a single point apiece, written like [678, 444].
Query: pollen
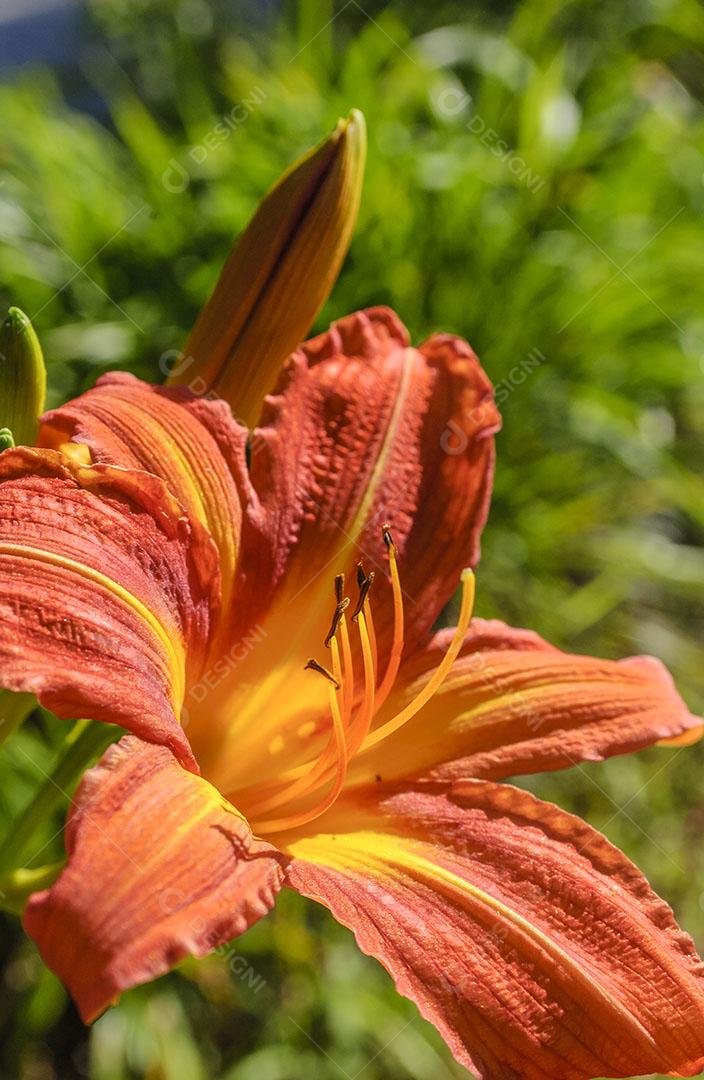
[356, 697]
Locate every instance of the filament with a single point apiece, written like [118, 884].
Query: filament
[362, 724]
[369, 621]
[440, 673]
[307, 777]
[348, 672]
[293, 821]
[397, 642]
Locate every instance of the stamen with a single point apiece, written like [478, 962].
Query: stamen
[336, 665]
[365, 583]
[440, 673]
[304, 779]
[348, 672]
[397, 642]
[372, 635]
[313, 665]
[337, 615]
[340, 623]
[359, 728]
[362, 723]
[364, 588]
[293, 821]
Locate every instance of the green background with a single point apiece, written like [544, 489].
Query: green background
[576, 240]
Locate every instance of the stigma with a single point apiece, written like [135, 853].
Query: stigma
[357, 691]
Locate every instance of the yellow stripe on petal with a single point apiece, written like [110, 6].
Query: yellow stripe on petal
[185, 876]
[513, 704]
[531, 943]
[194, 446]
[174, 653]
[107, 591]
[382, 855]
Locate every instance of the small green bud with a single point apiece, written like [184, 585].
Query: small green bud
[22, 380]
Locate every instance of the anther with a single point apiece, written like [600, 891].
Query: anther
[364, 587]
[339, 587]
[340, 610]
[386, 533]
[361, 576]
[313, 665]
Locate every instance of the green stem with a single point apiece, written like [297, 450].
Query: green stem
[86, 741]
[16, 887]
[14, 710]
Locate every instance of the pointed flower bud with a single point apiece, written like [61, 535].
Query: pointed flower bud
[22, 380]
[278, 275]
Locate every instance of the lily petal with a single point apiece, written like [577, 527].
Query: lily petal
[363, 429]
[193, 444]
[107, 593]
[514, 704]
[159, 867]
[535, 947]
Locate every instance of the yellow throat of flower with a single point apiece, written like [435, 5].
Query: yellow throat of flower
[352, 714]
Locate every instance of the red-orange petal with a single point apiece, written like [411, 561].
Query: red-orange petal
[107, 593]
[514, 704]
[192, 443]
[159, 867]
[364, 429]
[535, 947]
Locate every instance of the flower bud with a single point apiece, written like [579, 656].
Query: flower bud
[278, 275]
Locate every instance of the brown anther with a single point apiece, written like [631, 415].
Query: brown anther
[313, 665]
[386, 533]
[339, 587]
[339, 611]
[364, 588]
[361, 576]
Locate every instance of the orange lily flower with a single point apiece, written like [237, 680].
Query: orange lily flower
[166, 570]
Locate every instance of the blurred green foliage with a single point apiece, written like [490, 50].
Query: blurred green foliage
[535, 183]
